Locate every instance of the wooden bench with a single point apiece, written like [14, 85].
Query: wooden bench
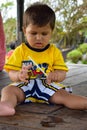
[49, 117]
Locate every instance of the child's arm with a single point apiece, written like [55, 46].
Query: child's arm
[21, 75]
[56, 76]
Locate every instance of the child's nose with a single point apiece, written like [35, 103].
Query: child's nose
[39, 36]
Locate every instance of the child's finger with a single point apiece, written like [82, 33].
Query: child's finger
[48, 80]
[29, 66]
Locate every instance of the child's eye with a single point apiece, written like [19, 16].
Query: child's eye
[44, 33]
[33, 33]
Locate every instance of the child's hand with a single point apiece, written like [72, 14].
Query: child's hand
[23, 73]
[56, 76]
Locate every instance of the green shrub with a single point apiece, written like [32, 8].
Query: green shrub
[74, 56]
[83, 48]
[8, 49]
[84, 62]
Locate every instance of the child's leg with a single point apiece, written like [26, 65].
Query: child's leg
[10, 96]
[69, 100]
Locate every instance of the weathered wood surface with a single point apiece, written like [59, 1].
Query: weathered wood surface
[4, 79]
[52, 118]
[49, 117]
[76, 75]
[77, 78]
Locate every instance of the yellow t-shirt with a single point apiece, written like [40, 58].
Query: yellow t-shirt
[48, 60]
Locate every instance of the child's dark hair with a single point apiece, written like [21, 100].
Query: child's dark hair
[12, 45]
[39, 14]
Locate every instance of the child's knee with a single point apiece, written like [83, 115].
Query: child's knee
[7, 89]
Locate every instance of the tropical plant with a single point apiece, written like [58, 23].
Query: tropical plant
[83, 48]
[10, 30]
[9, 23]
[74, 56]
[73, 18]
[5, 8]
[78, 55]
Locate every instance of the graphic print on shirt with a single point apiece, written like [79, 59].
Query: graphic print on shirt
[35, 71]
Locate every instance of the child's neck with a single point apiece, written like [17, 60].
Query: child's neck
[35, 49]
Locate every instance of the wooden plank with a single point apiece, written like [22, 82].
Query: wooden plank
[14, 127]
[76, 79]
[71, 119]
[76, 69]
[3, 74]
[28, 118]
[38, 108]
[62, 119]
[76, 75]
[4, 79]
[80, 89]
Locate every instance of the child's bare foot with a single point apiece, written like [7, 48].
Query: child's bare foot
[6, 110]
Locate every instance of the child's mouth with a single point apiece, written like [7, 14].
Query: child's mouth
[38, 44]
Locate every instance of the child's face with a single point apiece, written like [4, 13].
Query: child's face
[38, 37]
